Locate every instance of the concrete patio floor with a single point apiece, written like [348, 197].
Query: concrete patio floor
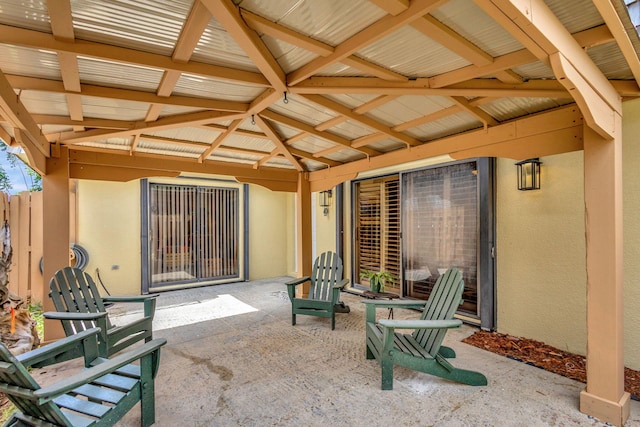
[233, 359]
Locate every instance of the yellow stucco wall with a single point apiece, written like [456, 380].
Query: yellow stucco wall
[109, 228]
[269, 235]
[631, 207]
[325, 225]
[541, 278]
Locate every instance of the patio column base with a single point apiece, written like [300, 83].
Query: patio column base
[605, 410]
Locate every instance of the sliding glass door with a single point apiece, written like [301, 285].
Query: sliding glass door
[417, 224]
[193, 234]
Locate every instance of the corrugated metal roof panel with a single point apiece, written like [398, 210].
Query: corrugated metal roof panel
[535, 70]
[340, 70]
[407, 108]
[504, 109]
[387, 145]
[217, 47]
[29, 62]
[611, 62]
[114, 109]
[289, 57]
[576, 15]
[412, 54]
[200, 86]
[475, 25]
[330, 21]
[302, 110]
[351, 129]
[149, 25]
[313, 144]
[147, 145]
[31, 14]
[38, 102]
[446, 126]
[199, 134]
[249, 143]
[117, 74]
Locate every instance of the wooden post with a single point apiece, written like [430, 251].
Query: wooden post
[55, 233]
[303, 229]
[604, 396]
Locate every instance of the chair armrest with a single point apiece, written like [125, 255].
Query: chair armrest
[420, 324]
[396, 303]
[130, 298]
[299, 281]
[63, 315]
[341, 284]
[61, 350]
[87, 375]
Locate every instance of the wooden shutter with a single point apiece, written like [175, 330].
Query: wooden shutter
[378, 227]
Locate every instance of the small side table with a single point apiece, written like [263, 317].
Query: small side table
[381, 295]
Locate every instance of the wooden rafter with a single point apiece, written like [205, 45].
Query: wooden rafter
[367, 121]
[168, 122]
[38, 40]
[227, 13]
[280, 146]
[374, 32]
[287, 121]
[32, 83]
[471, 88]
[220, 139]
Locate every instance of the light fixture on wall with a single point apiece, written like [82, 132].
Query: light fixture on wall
[325, 201]
[529, 174]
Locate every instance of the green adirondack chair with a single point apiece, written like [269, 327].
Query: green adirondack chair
[80, 307]
[324, 290]
[421, 350]
[98, 395]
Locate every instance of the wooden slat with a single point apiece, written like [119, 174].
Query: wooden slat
[83, 406]
[101, 394]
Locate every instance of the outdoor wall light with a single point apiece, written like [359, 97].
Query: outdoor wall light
[325, 201]
[529, 174]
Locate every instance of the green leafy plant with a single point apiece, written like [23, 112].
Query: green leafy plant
[377, 280]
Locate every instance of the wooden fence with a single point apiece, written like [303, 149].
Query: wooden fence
[24, 213]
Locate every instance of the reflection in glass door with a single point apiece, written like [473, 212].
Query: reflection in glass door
[440, 214]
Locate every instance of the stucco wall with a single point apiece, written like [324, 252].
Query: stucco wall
[109, 228]
[269, 233]
[541, 278]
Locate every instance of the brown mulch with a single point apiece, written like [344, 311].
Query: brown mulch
[544, 356]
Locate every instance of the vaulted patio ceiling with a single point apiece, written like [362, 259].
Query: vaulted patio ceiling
[264, 90]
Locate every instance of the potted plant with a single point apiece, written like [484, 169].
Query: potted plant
[377, 280]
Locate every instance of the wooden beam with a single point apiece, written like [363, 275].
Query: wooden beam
[275, 138]
[374, 103]
[39, 40]
[169, 122]
[445, 112]
[372, 33]
[472, 88]
[220, 139]
[610, 15]
[533, 24]
[599, 115]
[287, 121]
[162, 163]
[17, 115]
[227, 13]
[474, 111]
[523, 129]
[33, 83]
[367, 121]
[114, 173]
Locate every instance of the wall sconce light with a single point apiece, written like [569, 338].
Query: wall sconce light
[325, 201]
[529, 174]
